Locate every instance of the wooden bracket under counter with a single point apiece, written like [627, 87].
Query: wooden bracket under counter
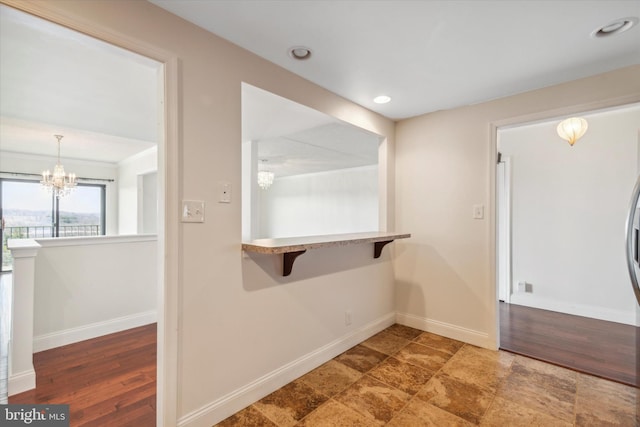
[292, 247]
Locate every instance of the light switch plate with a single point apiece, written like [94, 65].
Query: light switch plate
[224, 190]
[192, 211]
[478, 211]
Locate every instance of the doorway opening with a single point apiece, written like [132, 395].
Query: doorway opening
[564, 293]
[114, 135]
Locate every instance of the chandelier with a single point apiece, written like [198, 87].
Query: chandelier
[265, 179]
[58, 183]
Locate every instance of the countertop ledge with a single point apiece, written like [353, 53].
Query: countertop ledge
[295, 244]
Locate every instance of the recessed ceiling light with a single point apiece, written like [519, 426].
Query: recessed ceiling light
[382, 99]
[615, 27]
[300, 53]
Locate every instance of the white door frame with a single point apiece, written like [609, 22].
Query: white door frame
[503, 200]
[169, 242]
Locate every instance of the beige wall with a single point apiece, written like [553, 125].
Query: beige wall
[243, 330]
[444, 165]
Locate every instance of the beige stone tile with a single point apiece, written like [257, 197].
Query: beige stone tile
[331, 378]
[291, 403]
[503, 412]
[421, 414]
[249, 416]
[441, 343]
[542, 396]
[465, 400]
[376, 400]
[361, 358]
[481, 367]
[386, 342]
[545, 374]
[601, 403]
[404, 331]
[335, 414]
[408, 378]
[425, 357]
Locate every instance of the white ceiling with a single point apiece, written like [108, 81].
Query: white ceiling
[329, 147]
[293, 139]
[53, 80]
[427, 55]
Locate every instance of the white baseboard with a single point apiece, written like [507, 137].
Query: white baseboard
[22, 381]
[477, 338]
[228, 405]
[93, 330]
[610, 315]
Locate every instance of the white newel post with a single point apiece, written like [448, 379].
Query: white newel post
[22, 375]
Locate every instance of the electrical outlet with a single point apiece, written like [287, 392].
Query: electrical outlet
[347, 317]
[524, 287]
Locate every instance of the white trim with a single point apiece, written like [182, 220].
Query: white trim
[65, 160]
[51, 242]
[170, 248]
[23, 248]
[477, 338]
[503, 200]
[226, 406]
[93, 330]
[22, 381]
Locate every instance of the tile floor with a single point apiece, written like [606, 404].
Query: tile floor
[404, 377]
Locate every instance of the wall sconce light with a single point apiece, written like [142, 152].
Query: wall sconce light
[572, 129]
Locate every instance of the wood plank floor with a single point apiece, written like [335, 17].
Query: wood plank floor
[107, 381]
[604, 349]
[5, 332]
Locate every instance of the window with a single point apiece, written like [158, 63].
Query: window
[30, 212]
[81, 213]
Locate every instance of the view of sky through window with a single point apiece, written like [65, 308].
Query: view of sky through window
[28, 212]
[31, 196]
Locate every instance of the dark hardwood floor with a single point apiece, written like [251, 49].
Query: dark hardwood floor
[604, 349]
[107, 381]
[5, 332]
